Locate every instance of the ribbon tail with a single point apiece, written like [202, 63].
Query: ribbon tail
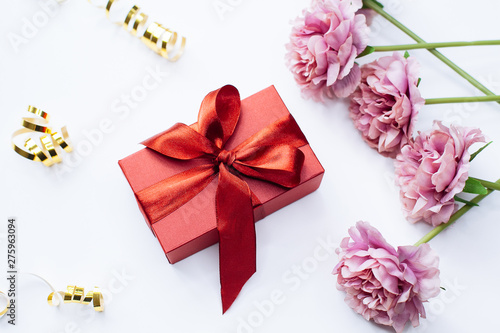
[237, 247]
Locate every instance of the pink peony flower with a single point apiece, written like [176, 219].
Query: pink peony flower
[432, 169]
[383, 284]
[323, 47]
[385, 105]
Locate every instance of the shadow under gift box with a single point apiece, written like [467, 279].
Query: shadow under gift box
[192, 227]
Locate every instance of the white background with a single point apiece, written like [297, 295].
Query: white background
[79, 222]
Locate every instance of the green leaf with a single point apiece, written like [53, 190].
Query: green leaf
[407, 54]
[418, 82]
[475, 187]
[473, 156]
[369, 49]
[468, 203]
[443, 288]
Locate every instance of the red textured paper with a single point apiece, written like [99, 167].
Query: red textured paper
[192, 227]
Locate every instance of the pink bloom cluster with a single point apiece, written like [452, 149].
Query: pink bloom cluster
[432, 169]
[383, 284]
[323, 47]
[385, 105]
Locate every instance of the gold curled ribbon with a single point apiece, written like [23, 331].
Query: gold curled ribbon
[47, 152]
[139, 22]
[108, 7]
[4, 311]
[74, 294]
[161, 40]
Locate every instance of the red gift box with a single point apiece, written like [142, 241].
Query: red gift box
[193, 226]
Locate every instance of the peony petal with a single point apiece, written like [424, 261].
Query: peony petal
[346, 86]
[333, 73]
[447, 168]
[396, 73]
[337, 35]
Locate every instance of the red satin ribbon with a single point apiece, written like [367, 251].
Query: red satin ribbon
[271, 154]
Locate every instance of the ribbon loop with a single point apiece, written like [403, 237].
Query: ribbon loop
[219, 114]
[181, 142]
[284, 131]
[277, 164]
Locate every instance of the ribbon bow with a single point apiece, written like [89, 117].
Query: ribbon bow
[272, 154]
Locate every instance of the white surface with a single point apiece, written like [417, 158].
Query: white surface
[83, 226]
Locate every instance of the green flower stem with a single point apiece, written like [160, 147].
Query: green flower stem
[488, 185]
[447, 100]
[434, 232]
[376, 7]
[405, 47]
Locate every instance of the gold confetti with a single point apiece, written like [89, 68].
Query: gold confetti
[157, 37]
[47, 152]
[74, 294]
